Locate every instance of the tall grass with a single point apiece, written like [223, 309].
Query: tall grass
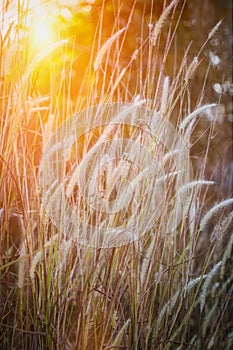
[171, 288]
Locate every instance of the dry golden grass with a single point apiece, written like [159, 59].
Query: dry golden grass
[157, 270]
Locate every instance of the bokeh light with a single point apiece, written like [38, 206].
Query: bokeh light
[42, 32]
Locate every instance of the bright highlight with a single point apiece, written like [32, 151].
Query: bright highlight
[42, 33]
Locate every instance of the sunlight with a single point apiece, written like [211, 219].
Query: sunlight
[38, 18]
[42, 32]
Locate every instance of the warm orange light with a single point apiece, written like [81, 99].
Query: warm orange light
[42, 33]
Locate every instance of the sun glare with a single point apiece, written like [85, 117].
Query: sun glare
[42, 33]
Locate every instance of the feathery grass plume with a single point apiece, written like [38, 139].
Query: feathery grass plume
[191, 69]
[192, 217]
[227, 254]
[168, 176]
[206, 284]
[44, 218]
[169, 155]
[47, 131]
[64, 250]
[221, 228]
[35, 261]
[72, 182]
[118, 339]
[135, 55]
[195, 184]
[164, 97]
[147, 261]
[194, 282]
[214, 30]
[194, 114]
[210, 36]
[53, 197]
[122, 73]
[214, 211]
[42, 55]
[159, 24]
[171, 303]
[107, 45]
[22, 266]
[110, 128]
[39, 256]
[121, 171]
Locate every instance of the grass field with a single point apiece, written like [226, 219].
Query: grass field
[114, 233]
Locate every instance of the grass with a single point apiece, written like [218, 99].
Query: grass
[156, 269]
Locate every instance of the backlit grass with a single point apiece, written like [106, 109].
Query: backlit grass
[172, 287]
